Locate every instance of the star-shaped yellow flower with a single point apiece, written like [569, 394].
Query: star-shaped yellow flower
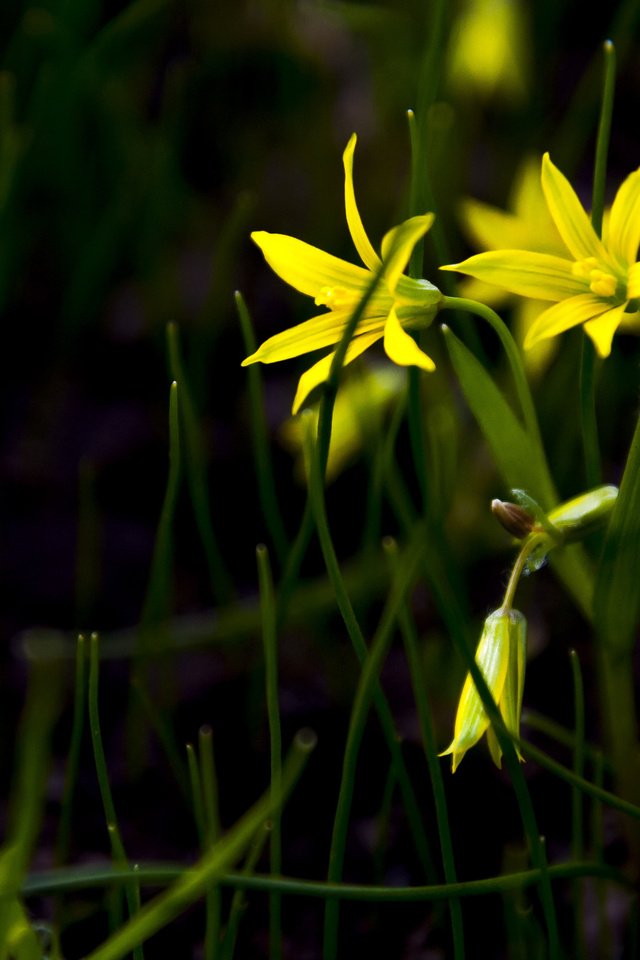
[596, 284]
[398, 303]
[525, 224]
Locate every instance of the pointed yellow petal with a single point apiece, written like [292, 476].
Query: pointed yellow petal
[402, 348]
[494, 747]
[356, 228]
[511, 702]
[322, 331]
[492, 656]
[624, 221]
[561, 316]
[398, 244]
[471, 722]
[536, 358]
[319, 372]
[537, 275]
[569, 215]
[307, 268]
[603, 328]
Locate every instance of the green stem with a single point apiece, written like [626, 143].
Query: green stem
[527, 549]
[419, 686]
[577, 807]
[191, 884]
[115, 839]
[270, 643]
[260, 439]
[330, 389]
[604, 131]
[360, 647]
[73, 758]
[196, 470]
[212, 833]
[588, 416]
[535, 841]
[159, 875]
[368, 688]
[513, 356]
[157, 600]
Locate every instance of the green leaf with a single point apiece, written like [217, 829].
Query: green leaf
[617, 598]
[520, 460]
[516, 455]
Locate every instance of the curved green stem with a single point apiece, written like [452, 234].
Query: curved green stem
[513, 356]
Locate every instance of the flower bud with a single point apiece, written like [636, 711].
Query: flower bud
[501, 656]
[518, 521]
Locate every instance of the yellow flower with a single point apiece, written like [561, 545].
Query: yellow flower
[526, 224]
[488, 51]
[358, 412]
[398, 302]
[596, 282]
[501, 656]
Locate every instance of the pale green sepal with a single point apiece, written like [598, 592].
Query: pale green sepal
[569, 215]
[577, 517]
[538, 275]
[624, 221]
[306, 268]
[354, 221]
[564, 315]
[398, 244]
[492, 657]
[319, 372]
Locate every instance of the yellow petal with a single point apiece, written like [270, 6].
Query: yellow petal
[319, 372]
[537, 275]
[307, 268]
[624, 220]
[492, 657]
[322, 331]
[602, 330]
[471, 723]
[402, 348]
[492, 229]
[536, 358]
[356, 228]
[561, 316]
[569, 215]
[398, 244]
[511, 702]
[633, 281]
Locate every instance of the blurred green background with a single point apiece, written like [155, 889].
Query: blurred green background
[140, 143]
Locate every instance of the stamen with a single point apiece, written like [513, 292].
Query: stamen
[333, 297]
[601, 282]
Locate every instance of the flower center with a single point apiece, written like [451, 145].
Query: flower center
[602, 283]
[334, 297]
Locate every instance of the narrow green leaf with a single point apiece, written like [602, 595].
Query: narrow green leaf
[617, 598]
[192, 884]
[519, 459]
[513, 450]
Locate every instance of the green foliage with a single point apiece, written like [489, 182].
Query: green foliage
[140, 144]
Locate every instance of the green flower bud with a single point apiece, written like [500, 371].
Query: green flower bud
[501, 656]
[578, 517]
